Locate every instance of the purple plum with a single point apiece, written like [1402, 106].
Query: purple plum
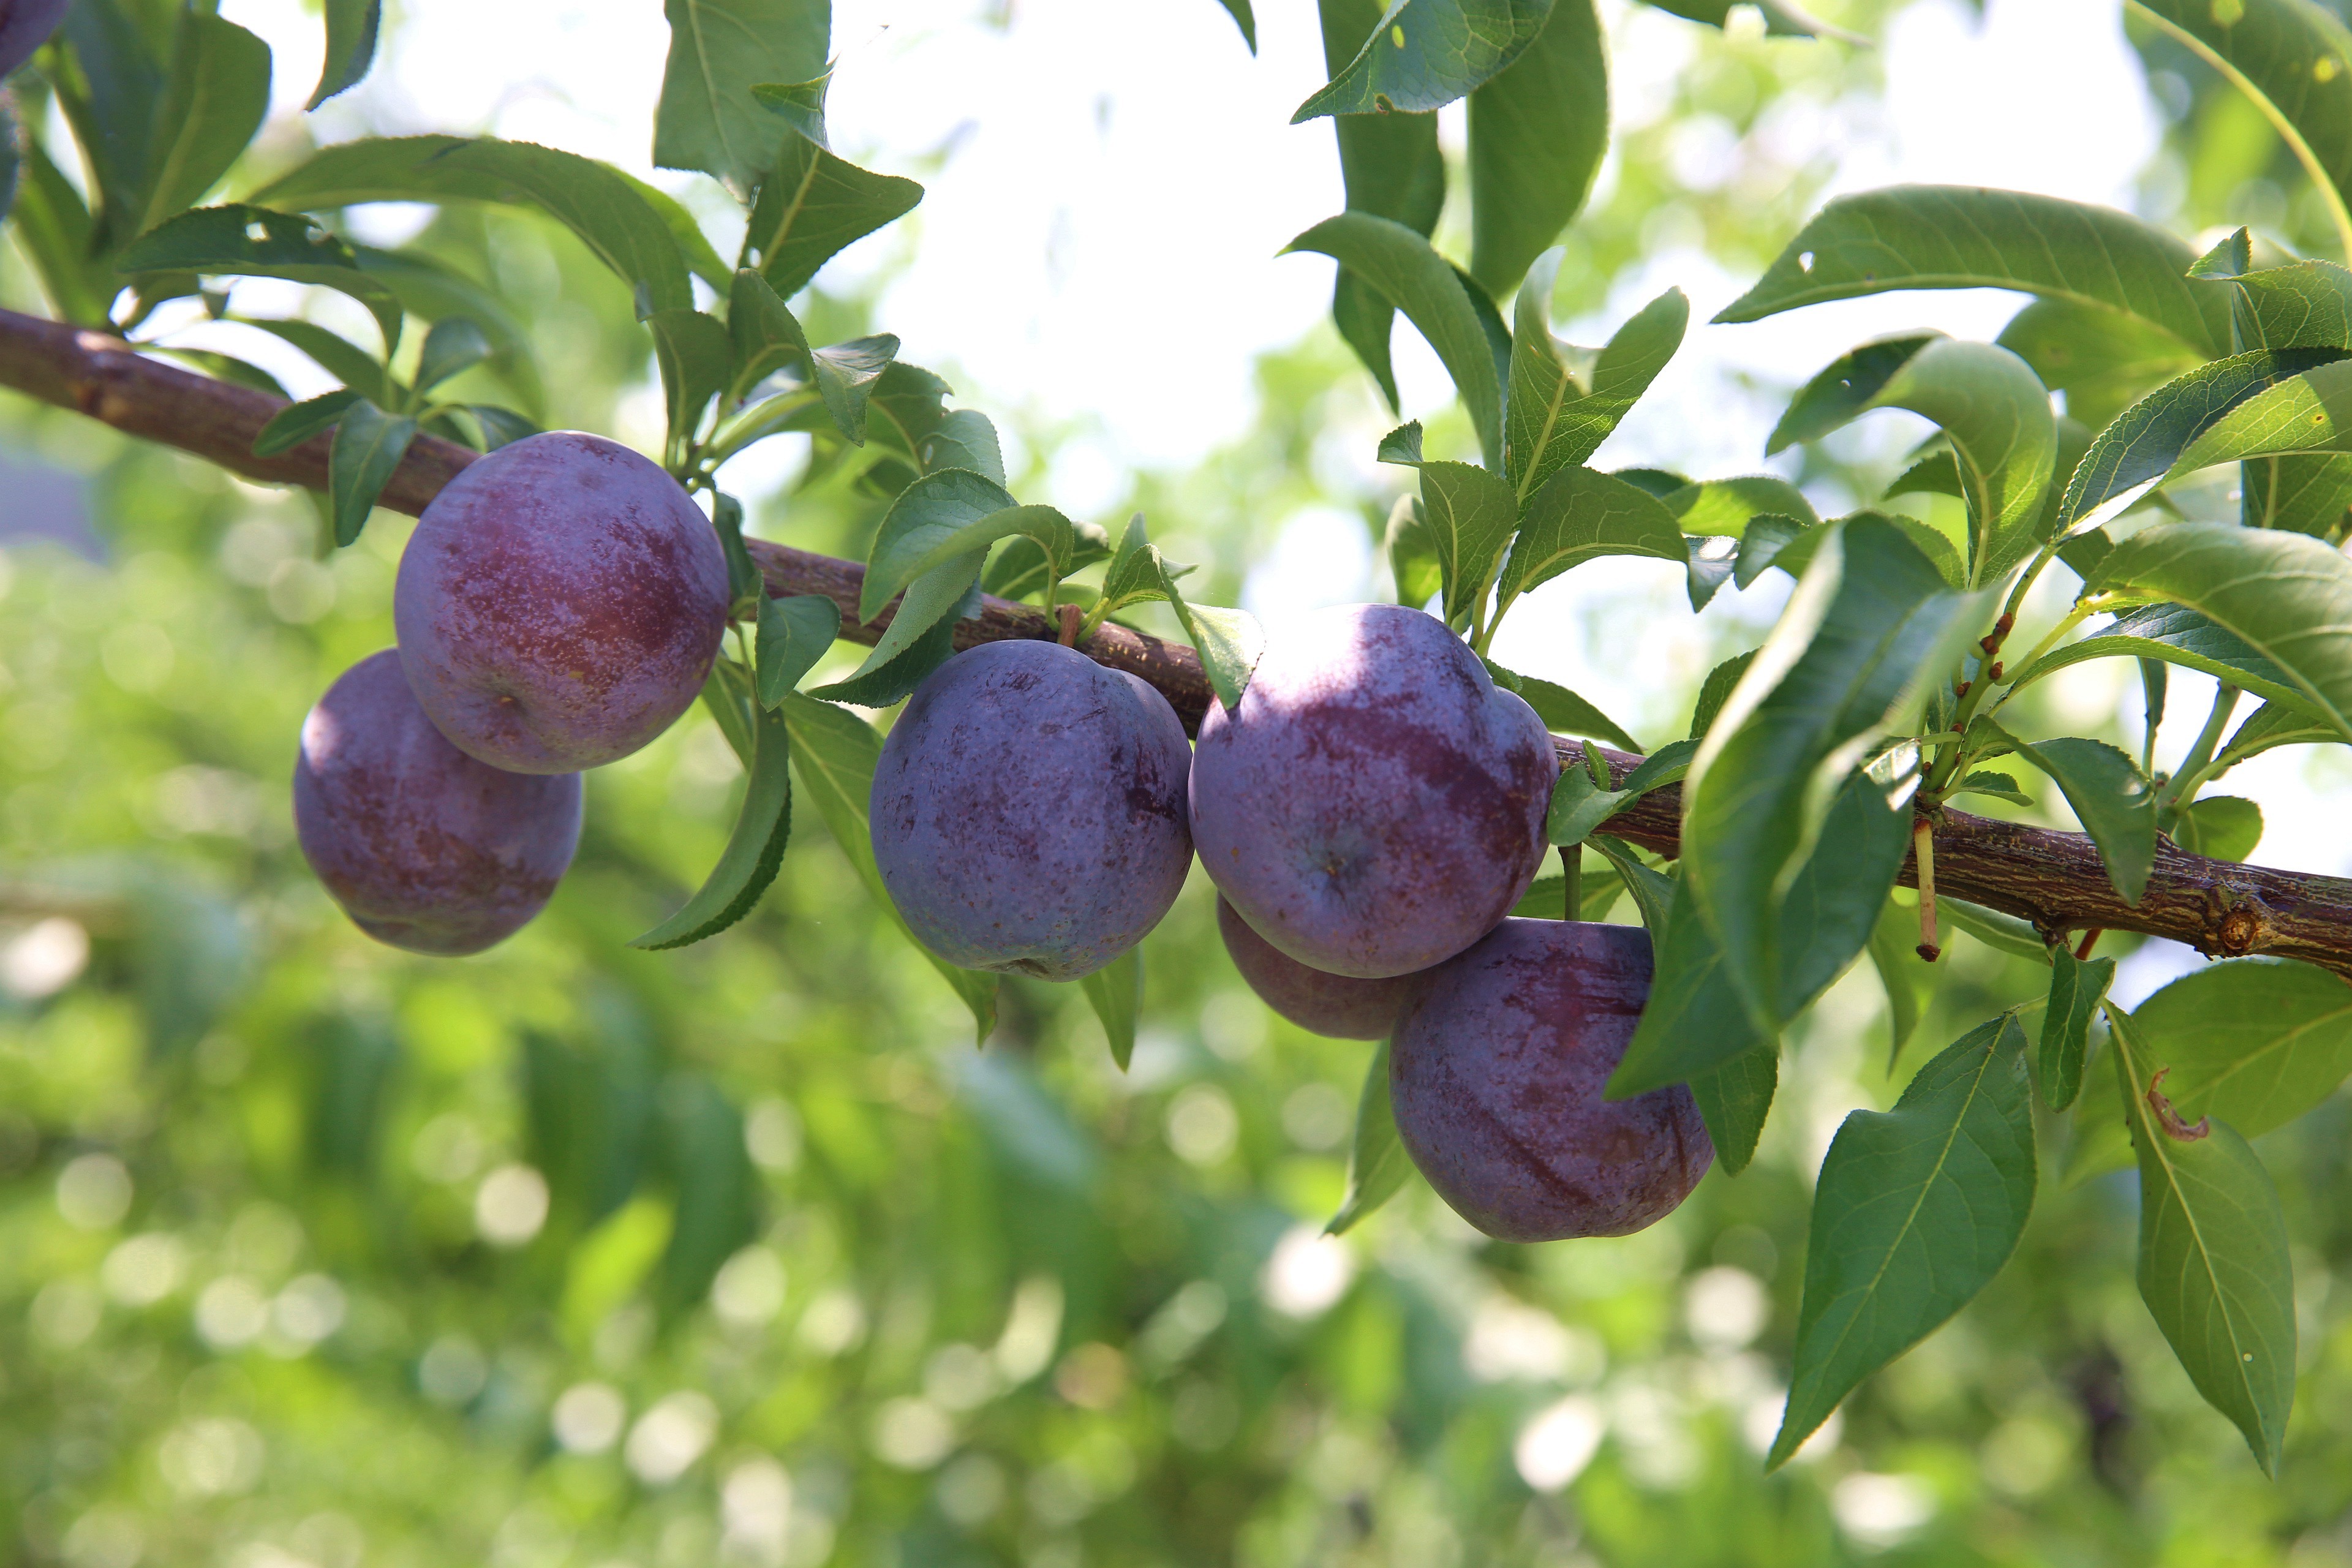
[1497, 1077]
[424, 847]
[1339, 1006]
[1376, 804]
[558, 605]
[25, 26]
[1028, 811]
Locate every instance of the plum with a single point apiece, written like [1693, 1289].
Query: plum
[1028, 810]
[25, 26]
[1376, 804]
[558, 605]
[1495, 1078]
[1339, 1006]
[423, 847]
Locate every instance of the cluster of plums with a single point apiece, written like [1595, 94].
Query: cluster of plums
[558, 606]
[1370, 813]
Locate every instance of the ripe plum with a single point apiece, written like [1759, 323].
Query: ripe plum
[423, 847]
[1496, 1079]
[1339, 1006]
[25, 26]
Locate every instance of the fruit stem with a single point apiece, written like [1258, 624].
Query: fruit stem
[1923, 843]
[2089, 938]
[1571, 866]
[1069, 615]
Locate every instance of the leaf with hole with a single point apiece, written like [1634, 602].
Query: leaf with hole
[242, 241]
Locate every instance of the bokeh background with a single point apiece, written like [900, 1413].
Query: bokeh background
[312, 1253]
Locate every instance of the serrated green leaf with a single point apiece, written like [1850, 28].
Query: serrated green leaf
[695, 357]
[2103, 359]
[1377, 1163]
[597, 203]
[1470, 517]
[2000, 787]
[1724, 507]
[1578, 805]
[2307, 494]
[1715, 689]
[799, 104]
[834, 753]
[1916, 1211]
[368, 446]
[2077, 986]
[110, 99]
[1115, 994]
[1563, 712]
[966, 438]
[2256, 1042]
[351, 27]
[2111, 798]
[1959, 237]
[1229, 642]
[1538, 129]
[2285, 595]
[1565, 401]
[932, 509]
[2309, 412]
[243, 241]
[1412, 553]
[293, 424]
[213, 102]
[1579, 514]
[1695, 1021]
[726, 692]
[754, 850]
[1733, 1101]
[2221, 826]
[745, 587]
[2001, 933]
[1425, 53]
[1871, 625]
[55, 231]
[2213, 1262]
[719, 50]
[452, 347]
[1399, 266]
[924, 539]
[811, 206]
[2174, 634]
[794, 634]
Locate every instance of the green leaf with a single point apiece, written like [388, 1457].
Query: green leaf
[718, 1193]
[352, 27]
[965, 438]
[253, 242]
[2142, 448]
[1895, 953]
[2174, 634]
[1780, 19]
[794, 634]
[811, 206]
[1538, 129]
[369, 444]
[1958, 237]
[2277, 724]
[2307, 494]
[338, 357]
[1717, 688]
[2256, 1042]
[1412, 551]
[1243, 18]
[768, 338]
[597, 203]
[2111, 798]
[2306, 413]
[745, 588]
[1399, 266]
[924, 540]
[1915, 1210]
[2000, 787]
[1768, 542]
[754, 850]
[727, 693]
[799, 104]
[453, 346]
[834, 753]
[2213, 1262]
[2076, 989]
[1833, 904]
[215, 100]
[1733, 1101]
[1392, 168]
[1695, 1020]
[110, 99]
[1870, 626]
[701, 259]
[1470, 516]
[1578, 805]
[1565, 401]
[2294, 58]
[1425, 53]
[1115, 994]
[1563, 712]
[2221, 826]
[1229, 642]
[2103, 359]
[1724, 507]
[719, 50]
[934, 508]
[1580, 513]
[54, 230]
[1020, 569]
[292, 426]
[2001, 933]
[1377, 1163]
[695, 357]
[2285, 595]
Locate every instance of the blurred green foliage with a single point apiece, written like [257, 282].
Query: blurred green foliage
[313, 1252]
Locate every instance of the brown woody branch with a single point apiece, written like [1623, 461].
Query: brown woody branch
[2053, 879]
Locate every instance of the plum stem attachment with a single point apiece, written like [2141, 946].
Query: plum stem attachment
[2090, 939]
[1571, 866]
[1069, 615]
[1923, 843]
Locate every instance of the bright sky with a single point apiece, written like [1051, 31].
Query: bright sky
[1108, 188]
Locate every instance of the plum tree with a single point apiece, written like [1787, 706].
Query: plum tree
[25, 26]
[424, 846]
[1376, 804]
[1339, 1006]
[1497, 1078]
[1028, 811]
[558, 605]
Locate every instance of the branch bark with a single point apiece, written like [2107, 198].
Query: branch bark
[2053, 879]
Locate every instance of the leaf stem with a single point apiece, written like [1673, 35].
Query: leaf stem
[2194, 766]
[1571, 866]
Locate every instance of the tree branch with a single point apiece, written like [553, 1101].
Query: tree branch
[2053, 879]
